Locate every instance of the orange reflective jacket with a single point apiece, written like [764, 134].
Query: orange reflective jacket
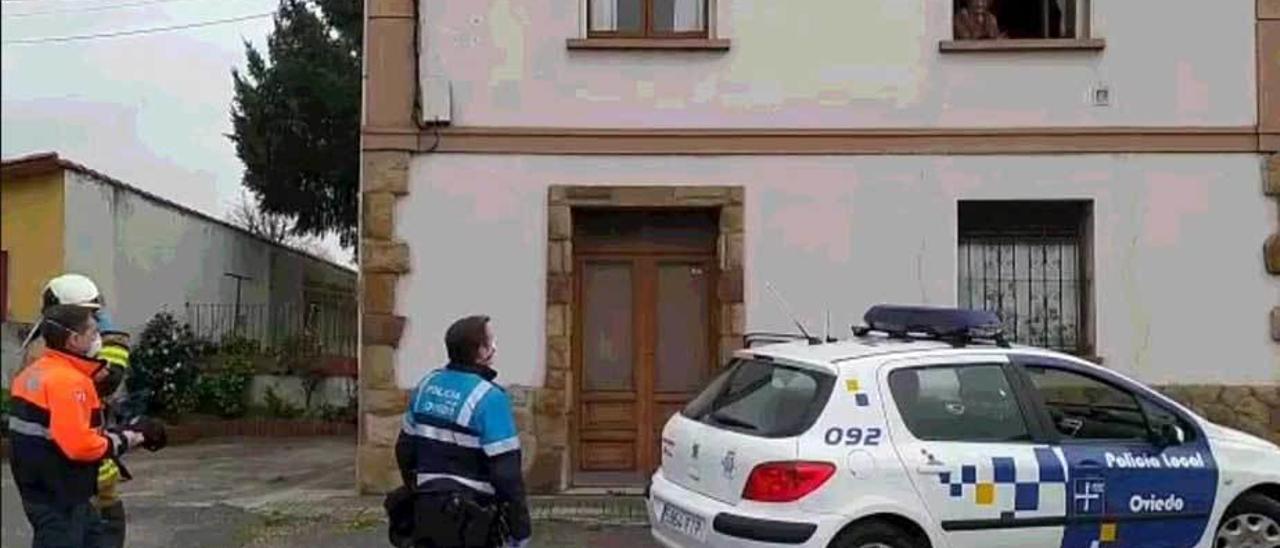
[55, 425]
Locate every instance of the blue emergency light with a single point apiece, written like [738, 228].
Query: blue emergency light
[957, 326]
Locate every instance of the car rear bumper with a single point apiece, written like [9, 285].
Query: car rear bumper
[730, 526]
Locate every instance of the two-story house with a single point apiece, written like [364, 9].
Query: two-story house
[623, 184]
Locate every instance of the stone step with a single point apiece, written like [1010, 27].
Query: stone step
[611, 509]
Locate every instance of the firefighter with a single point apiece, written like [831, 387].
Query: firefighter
[110, 508]
[57, 437]
[75, 289]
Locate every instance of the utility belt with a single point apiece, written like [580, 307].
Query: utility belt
[445, 519]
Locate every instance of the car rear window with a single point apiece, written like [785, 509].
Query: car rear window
[762, 398]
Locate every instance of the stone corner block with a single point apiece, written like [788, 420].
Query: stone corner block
[376, 471]
[1271, 249]
[378, 293]
[381, 430]
[384, 401]
[1275, 323]
[378, 366]
[543, 477]
[559, 222]
[382, 329]
[1272, 175]
[385, 171]
[378, 215]
[378, 256]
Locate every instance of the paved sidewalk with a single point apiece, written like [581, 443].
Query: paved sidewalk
[240, 493]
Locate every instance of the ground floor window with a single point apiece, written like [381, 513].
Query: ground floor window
[1028, 261]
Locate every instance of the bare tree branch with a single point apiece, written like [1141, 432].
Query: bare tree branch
[246, 213]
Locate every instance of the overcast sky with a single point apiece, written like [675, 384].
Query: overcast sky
[149, 109]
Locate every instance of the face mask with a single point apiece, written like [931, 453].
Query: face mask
[94, 347]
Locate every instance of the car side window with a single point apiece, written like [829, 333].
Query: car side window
[1160, 415]
[972, 403]
[1084, 408]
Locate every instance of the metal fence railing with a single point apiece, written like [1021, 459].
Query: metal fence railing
[331, 324]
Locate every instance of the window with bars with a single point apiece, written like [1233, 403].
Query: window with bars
[1028, 261]
[647, 18]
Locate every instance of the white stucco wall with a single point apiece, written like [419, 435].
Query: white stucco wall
[1181, 294]
[147, 256]
[838, 63]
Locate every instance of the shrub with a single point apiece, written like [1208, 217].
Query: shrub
[223, 390]
[163, 366]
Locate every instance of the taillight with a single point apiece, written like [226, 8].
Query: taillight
[786, 481]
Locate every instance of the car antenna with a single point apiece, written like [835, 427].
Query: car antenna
[826, 337]
[787, 309]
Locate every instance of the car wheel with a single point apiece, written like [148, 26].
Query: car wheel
[1251, 521]
[876, 534]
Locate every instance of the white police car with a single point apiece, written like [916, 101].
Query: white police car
[895, 439]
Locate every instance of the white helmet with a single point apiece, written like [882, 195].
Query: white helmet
[71, 289]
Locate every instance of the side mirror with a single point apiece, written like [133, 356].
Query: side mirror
[1169, 434]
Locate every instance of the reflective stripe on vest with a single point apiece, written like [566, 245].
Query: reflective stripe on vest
[481, 486]
[29, 428]
[115, 355]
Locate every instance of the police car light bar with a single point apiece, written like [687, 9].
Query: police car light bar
[957, 326]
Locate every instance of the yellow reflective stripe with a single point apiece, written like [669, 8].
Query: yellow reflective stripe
[115, 355]
[108, 472]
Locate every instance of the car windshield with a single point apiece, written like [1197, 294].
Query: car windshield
[762, 398]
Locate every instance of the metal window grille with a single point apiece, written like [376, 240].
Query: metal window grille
[1026, 262]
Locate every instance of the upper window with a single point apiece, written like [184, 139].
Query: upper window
[1025, 19]
[647, 18]
[958, 403]
[1028, 263]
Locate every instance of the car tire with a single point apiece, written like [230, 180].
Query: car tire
[1253, 517]
[877, 534]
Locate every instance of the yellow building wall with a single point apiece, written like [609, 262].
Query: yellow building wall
[32, 213]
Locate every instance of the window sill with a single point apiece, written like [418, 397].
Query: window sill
[1055, 44]
[702, 44]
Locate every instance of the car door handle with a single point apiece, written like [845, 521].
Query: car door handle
[1089, 465]
[933, 469]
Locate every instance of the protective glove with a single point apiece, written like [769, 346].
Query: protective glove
[153, 433]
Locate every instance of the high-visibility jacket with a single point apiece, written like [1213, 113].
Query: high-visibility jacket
[56, 434]
[460, 433]
[115, 351]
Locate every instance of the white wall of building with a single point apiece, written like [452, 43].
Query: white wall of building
[839, 63]
[1181, 294]
[147, 256]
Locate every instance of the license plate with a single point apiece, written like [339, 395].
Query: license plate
[683, 521]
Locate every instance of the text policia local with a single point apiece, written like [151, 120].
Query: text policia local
[1129, 460]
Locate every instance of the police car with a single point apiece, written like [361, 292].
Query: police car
[927, 430]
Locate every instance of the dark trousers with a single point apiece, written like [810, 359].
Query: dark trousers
[110, 526]
[72, 526]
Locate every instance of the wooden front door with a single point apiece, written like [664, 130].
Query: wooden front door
[644, 341]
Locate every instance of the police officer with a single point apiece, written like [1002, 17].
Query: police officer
[459, 451]
[57, 438]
